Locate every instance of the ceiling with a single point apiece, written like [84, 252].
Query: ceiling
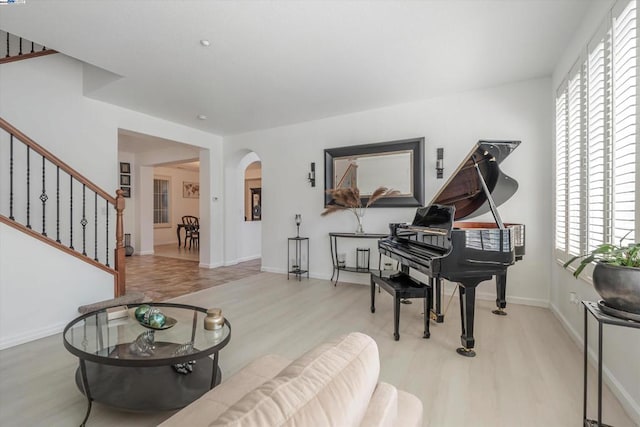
[272, 63]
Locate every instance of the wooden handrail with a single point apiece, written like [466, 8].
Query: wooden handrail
[26, 56]
[56, 161]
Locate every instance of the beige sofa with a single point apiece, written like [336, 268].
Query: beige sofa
[335, 384]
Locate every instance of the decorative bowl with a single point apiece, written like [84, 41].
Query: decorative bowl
[169, 322]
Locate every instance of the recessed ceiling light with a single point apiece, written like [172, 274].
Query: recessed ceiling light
[202, 117]
[204, 42]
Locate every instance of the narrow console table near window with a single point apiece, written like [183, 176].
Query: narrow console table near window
[333, 244]
[603, 319]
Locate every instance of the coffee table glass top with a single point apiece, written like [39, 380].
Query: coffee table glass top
[124, 341]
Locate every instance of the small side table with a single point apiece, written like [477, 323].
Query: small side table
[294, 265]
[603, 319]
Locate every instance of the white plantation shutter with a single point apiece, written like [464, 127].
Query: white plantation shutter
[596, 140]
[624, 93]
[598, 147]
[561, 170]
[574, 163]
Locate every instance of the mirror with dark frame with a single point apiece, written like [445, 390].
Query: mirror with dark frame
[397, 165]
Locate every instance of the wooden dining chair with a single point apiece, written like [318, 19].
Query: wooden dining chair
[192, 230]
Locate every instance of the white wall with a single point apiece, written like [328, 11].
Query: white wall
[38, 296]
[43, 97]
[517, 111]
[622, 345]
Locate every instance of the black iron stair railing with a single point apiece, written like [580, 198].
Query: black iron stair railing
[21, 207]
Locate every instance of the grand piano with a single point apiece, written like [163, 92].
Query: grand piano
[441, 246]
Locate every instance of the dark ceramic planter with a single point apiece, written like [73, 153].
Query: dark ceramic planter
[619, 287]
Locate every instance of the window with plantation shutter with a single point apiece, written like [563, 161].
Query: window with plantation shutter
[161, 188]
[624, 94]
[596, 140]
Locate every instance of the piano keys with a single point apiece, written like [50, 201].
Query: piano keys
[441, 246]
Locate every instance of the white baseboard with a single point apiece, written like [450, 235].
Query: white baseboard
[630, 406]
[11, 341]
[243, 259]
[144, 252]
[215, 265]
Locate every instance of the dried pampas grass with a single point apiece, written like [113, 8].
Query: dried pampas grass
[349, 198]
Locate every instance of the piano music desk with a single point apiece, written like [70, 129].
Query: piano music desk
[401, 287]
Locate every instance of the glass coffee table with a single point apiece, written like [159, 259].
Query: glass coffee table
[130, 366]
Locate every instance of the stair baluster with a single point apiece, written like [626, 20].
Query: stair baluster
[44, 198]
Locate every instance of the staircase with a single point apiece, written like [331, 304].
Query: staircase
[18, 48]
[43, 197]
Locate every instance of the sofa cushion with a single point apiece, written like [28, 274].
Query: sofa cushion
[213, 403]
[410, 410]
[383, 407]
[329, 386]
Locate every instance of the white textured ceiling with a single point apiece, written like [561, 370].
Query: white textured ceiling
[272, 63]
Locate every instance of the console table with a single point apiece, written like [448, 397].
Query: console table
[603, 319]
[333, 244]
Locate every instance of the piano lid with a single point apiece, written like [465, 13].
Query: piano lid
[464, 189]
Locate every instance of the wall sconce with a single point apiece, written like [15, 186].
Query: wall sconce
[312, 175]
[439, 163]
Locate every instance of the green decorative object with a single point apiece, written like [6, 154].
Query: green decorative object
[157, 320]
[141, 311]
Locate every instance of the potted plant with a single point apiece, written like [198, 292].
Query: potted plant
[616, 276]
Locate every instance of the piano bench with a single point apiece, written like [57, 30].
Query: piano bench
[400, 287]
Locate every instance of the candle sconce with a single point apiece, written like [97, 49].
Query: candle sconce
[312, 174]
[439, 163]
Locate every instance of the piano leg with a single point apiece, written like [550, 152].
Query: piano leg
[436, 300]
[467, 305]
[501, 293]
[396, 318]
[467, 309]
[428, 291]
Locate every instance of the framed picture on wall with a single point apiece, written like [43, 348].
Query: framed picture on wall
[190, 190]
[127, 192]
[125, 179]
[256, 204]
[125, 167]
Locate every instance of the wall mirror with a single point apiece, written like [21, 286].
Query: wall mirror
[397, 164]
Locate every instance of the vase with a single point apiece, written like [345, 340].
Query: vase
[359, 217]
[214, 319]
[618, 286]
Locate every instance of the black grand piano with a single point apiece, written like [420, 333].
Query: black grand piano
[468, 253]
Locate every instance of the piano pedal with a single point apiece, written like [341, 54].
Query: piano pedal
[466, 352]
[437, 317]
[406, 301]
[499, 312]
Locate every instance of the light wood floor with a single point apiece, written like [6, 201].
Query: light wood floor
[528, 372]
